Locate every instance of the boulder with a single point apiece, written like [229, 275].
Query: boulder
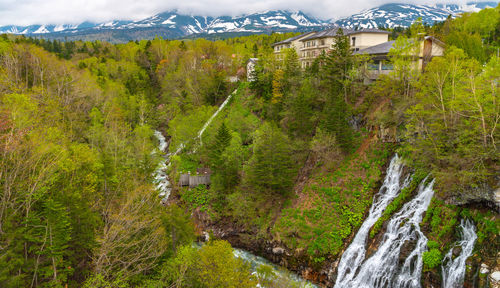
[495, 279]
[484, 269]
[278, 250]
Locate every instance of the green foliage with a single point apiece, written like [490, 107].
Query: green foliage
[219, 145]
[184, 128]
[398, 202]
[98, 281]
[451, 127]
[213, 265]
[227, 175]
[432, 258]
[197, 197]
[475, 33]
[336, 112]
[179, 226]
[270, 169]
[335, 205]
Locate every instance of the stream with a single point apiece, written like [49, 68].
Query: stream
[453, 270]
[256, 261]
[384, 268]
[161, 179]
[355, 253]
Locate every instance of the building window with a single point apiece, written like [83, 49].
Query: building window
[387, 65]
[353, 41]
[374, 65]
[322, 42]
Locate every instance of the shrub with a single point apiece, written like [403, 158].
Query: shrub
[432, 258]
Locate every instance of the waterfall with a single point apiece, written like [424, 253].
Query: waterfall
[355, 253]
[383, 269]
[454, 269]
[160, 175]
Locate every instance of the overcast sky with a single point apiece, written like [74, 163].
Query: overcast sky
[27, 12]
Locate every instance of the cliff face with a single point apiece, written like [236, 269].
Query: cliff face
[486, 193]
[324, 273]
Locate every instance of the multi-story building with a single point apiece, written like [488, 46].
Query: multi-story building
[372, 42]
[293, 42]
[313, 45]
[380, 63]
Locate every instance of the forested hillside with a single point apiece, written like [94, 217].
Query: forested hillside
[295, 157]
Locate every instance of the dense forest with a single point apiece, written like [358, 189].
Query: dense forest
[295, 157]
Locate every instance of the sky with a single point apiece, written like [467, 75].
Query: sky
[27, 12]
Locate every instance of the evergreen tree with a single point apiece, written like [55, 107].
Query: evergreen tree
[271, 169]
[227, 174]
[221, 141]
[336, 111]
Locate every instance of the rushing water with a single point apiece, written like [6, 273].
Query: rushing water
[160, 175]
[383, 268]
[354, 255]
[454, 269]
[256, 261]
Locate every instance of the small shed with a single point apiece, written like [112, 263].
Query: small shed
[202, 177]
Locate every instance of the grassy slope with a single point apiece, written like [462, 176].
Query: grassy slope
[333, 203]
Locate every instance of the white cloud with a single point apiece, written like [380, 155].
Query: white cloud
[26, 12]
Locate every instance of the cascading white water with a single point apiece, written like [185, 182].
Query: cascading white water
[256, 261]
[454, 269]
[160, 175]
[355, 254]
[383, 268]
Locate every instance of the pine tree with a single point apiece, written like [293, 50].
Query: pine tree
[271, 169]
[335, 71]
[220, 143]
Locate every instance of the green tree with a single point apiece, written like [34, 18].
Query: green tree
[179, 227]
[220, 143]
[271, 169]
[227, 175]
[212, 266]
[299, 111]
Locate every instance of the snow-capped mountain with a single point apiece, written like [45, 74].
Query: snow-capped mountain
[182, 25]
[392, 15]
[176, 25]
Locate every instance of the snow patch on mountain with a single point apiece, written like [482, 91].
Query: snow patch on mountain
[403, 15]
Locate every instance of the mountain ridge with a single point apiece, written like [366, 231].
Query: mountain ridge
[171, 24]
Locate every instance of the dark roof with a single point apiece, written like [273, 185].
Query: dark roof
[332, 32]
[289, 40]
[382, 48]
[435, 40]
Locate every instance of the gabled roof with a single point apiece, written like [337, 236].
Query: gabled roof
[382, 48]
[435, 40]
[289, 40]
[332, 32]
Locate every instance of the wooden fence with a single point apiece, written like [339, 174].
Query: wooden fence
[194, 180]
